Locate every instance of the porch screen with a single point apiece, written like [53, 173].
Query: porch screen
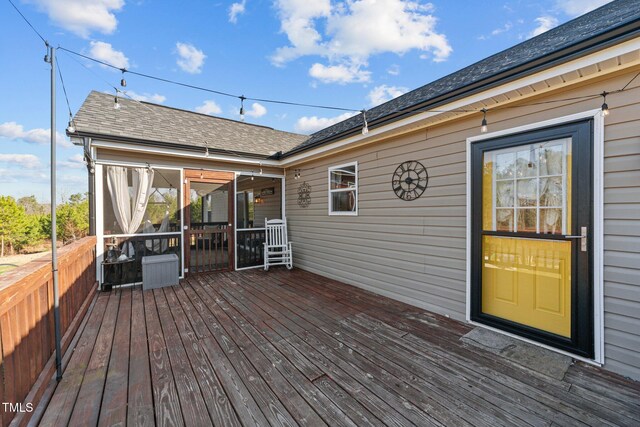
[141, 217]
[257, 198]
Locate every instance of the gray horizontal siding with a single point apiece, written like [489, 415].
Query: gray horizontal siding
[622, 237]
[415, 251]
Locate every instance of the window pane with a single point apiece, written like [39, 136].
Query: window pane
[527, 189]
[504, 219]
[551, 221]
[551, 159]
[551, 191]
[527, 220]
[344, 177]
[504, 194]
[527, 162]
[505, 165]
[343, 201]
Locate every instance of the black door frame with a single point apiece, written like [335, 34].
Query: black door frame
[582, 292]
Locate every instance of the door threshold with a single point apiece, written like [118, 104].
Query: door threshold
[530, 341]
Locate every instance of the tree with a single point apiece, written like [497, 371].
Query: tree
[13, 224]
[73, 218]
[32, 206]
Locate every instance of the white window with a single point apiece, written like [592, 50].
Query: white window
[343, 189]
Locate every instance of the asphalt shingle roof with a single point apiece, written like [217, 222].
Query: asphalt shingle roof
[156, 123]
[600, 21]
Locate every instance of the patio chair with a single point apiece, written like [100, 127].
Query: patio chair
[277, 247]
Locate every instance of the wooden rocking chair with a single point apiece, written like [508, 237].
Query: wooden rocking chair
[277, 247]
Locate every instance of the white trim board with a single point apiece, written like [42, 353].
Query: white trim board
[175, 152]
[598, 225]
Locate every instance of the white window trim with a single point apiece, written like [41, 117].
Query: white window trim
[598, 228]
[330, 191]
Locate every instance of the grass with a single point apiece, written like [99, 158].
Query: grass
[5, 268]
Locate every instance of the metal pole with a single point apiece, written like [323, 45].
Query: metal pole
[54, 228]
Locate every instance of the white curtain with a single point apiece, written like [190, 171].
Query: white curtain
[129, 208]
[156, 246]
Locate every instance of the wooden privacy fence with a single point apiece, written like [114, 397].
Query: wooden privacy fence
[27, 326]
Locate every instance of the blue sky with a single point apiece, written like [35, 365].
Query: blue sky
[350, 54]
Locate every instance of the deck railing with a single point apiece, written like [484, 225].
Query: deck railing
[27, 326]
[250, 247]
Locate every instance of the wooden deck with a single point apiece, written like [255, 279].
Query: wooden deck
[293, 348]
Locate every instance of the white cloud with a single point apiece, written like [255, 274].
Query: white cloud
[17, 175]
[14, 131]
[339, 74]
[106, 53]
[497, 31]
[156, 98]
[579, 7]
[394, 70]
[312, 124]
[335, 31]
[257, 110]
[82, 17]
[191, 58]
[545, 23]
[74, 162]
[236, 9]
[209, 107]
[383, 93]
[27, 161]
[506, 27]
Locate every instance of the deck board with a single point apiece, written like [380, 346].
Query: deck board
[257, 348]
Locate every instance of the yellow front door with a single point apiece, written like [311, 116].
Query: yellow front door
[527, 192]
[531, 250]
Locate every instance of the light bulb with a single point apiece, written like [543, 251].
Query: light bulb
[71, 128]
[116, 105]
[484, 127]
[365, 125]
[605, 110]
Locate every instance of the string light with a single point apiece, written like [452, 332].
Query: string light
[71, 128]
[251, 175]
[296, 174]
[242, 98]
[116, 105]
[123, 82]
[484, 127]
[365, 125]
[206, 151]
[605, 107]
